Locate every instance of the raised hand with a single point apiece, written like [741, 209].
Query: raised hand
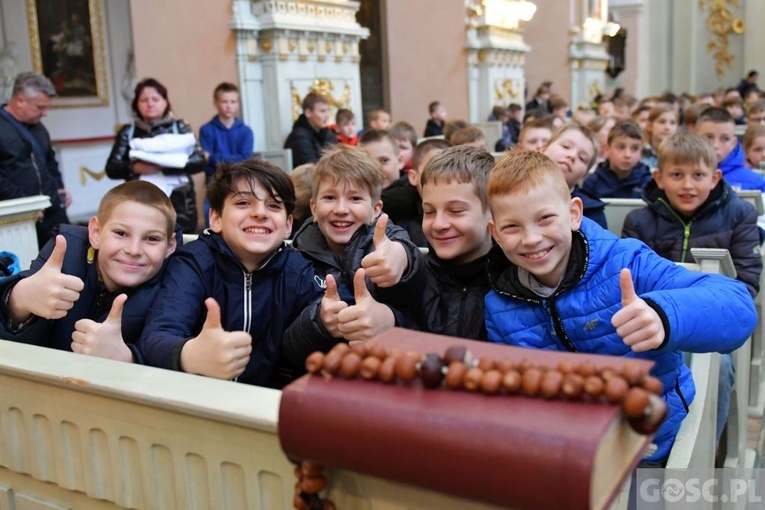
[367, 318]
[331, 304]
[637, 323]
[103, 339]
[387, 263]
[215, 352]
[48, 293]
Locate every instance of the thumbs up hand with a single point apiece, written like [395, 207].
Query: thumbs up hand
[637, 323]
[367, 318]
[104, 339]
[215, 352]
[48, 293]
[331, 304]
[387, 263]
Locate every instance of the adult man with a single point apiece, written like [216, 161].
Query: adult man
[28, 164]
[310, 135]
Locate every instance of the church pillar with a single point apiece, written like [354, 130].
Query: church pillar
[587, 51]
[288, 48]
[496, 54]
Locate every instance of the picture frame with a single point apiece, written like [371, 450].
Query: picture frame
[67, 43]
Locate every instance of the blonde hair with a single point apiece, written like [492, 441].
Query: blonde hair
[686, 148]
[349, 164]
[522, 171]
[302, 179]
[141, 192]
[752, 134]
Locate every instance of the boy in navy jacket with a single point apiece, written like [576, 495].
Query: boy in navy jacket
[89, 289]
[372, 269]
[561, 282]
[227, 298]
[621, 175]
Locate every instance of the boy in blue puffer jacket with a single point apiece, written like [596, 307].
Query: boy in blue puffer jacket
[717, 126]
[228, 298]
[561, 282]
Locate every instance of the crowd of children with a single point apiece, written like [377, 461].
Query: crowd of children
[517, 247]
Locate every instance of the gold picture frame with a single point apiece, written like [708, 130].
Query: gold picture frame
[67, 42]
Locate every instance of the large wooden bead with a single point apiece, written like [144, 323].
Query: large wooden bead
[636, 403]
[387, 373]
[472, 379]
[532, 381]
[359, 348]
[616, 389]
[340, 348]
[406, 368]
[512, 381]
[454, 375]
[653, 385]
[633, 372]
[551, 384]
[491, 382]
[378, 351]
[573, 385]
[350, 365]
[454, 353]
[313, 484]
[593, 386]
[314, 362]
[331, 363]
[370, 367]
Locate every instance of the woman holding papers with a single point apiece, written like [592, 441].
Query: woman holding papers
[161, 149]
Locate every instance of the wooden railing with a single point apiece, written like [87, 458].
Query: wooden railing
[18, 233]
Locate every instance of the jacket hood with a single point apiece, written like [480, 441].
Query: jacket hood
[217, 124]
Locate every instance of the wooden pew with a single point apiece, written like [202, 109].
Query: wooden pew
[696, 441]
[617, 209]
[757, 370]
[492, 131]
[18, 234]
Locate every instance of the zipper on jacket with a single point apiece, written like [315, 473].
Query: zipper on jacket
[686, 230]
[247, 301]
[559, 331]
[460, 318]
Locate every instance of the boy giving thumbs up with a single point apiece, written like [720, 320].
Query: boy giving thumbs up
[89, 288]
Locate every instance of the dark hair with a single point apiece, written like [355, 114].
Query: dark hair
[625, 128]
[223, 88]
[752, 73]
[433, 106]
[514, 107]
[716, 115]
[467, 135]
[312, 99]
[422, 149]
[344, 116]
[534, 113]
[253, 171]
[149, 82]
[378, 135]
[452, 127]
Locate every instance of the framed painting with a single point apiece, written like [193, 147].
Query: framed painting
[67, 42]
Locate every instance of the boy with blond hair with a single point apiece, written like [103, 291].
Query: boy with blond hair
[379, 119]
[535, 134]
[345, 127]
[472, 136]
[560, 282]
[717, 126]
[372, 269]
[228, 298]
[456, 225]
[691, 206]
[574, 149]
[621, 174]
[90, 288]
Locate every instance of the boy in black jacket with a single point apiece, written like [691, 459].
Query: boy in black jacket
[372, 269]
[456, 223]
[89, 289]
[691, 206]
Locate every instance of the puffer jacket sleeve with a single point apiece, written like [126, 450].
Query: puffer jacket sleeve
[177, 313]
[745, 249]
[118, 164]
[705, 312]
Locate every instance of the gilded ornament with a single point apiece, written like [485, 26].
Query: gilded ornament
[297, 104]
[311, 46]
[291, 44]
[720, 23]
[266, 45]
[84, 172]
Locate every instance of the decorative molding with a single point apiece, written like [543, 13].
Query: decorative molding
[721, 23]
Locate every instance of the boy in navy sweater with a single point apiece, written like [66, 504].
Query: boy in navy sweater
[90, 288]
[227, 298]
[621, 175]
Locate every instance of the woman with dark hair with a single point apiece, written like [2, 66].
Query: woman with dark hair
[181, 174]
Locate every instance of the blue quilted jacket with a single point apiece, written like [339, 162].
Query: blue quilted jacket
[701, 312]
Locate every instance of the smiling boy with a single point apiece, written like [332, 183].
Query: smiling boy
[560, 282]
[621, 175]
[90, 288]
[228, 298]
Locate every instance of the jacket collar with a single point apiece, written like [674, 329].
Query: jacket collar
[216, 243]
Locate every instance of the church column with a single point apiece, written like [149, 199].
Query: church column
[587, 51]
[496, 53]
[288, 48]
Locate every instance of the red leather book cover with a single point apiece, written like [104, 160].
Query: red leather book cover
[511, 451]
